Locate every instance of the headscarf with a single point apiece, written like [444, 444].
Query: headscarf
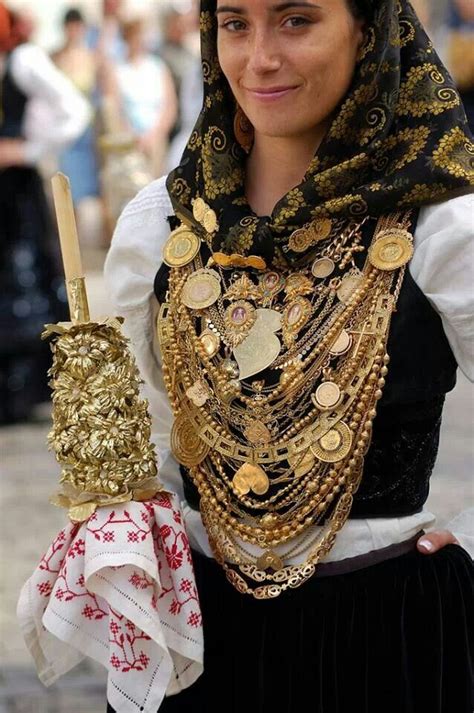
[399, 140]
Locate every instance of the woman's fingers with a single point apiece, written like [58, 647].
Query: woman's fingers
[433, 541]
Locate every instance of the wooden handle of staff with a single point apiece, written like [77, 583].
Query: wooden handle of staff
[75, 284]
[67, 227]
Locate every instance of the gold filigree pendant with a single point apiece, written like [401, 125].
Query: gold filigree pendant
[187, 447]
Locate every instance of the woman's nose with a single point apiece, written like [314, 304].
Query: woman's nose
[263, 54]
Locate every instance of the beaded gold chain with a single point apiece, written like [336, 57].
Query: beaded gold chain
[265, 476]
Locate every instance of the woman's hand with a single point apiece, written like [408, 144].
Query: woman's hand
[431, 542]
[11, 153]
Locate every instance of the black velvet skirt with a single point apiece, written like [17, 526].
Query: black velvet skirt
[396, 637]
[31, 291]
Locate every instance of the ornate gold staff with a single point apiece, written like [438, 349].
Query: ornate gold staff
[101, 426]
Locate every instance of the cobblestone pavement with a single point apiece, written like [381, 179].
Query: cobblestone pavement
[28, 522]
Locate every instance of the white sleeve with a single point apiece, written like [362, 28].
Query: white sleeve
[462, 527]
[57, 113]
[443, 268]
[132, 263]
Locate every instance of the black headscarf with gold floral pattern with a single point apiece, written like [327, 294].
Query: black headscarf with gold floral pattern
[400, 139]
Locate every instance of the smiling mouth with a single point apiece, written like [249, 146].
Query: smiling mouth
[270, 92]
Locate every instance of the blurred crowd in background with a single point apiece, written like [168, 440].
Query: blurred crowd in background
[112, 107]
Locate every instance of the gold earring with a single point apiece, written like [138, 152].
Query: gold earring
[243, 130]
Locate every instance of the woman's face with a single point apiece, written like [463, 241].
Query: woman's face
[289, 64]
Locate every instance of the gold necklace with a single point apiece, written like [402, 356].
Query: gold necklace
[291, 476]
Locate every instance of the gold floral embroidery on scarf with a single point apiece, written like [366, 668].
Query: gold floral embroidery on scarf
[424, 92]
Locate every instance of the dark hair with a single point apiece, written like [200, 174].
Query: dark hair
[362, 8]
[73, 15]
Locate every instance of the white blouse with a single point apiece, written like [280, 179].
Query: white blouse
[56, 113]
[442, 266]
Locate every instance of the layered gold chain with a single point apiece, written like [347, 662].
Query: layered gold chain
[267, 476]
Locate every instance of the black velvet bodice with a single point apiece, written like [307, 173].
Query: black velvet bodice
[13, 107]
[400, 461]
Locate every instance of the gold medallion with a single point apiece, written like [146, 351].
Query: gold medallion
[323, 267]
[187, 447]
[342, 344]
[202, 289]
[198, 393]
[334, 445]
[300, 240]
[321, 229]
[270, 284]
[251, 477]
[257, 433]
[349, 284]
[298, 284]
[327, 396]
[239, 319]
[209, 221]
[181, 247]
[199, 209]
[392, 249]
[210, 341]
[270, 560]
[295, 316]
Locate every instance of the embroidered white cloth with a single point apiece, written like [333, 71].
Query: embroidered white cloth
[119, 588]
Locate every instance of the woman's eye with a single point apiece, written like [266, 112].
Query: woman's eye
[297, 21]
[233, 25]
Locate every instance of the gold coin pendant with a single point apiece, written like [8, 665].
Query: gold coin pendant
[334, 445]
[327, 396]
[181, 247]
[342, 344]
[391, 250]
[323, 267]
[202, 289]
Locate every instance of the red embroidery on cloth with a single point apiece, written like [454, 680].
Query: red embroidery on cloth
[138, 534]
[163, 594]
[127, 659]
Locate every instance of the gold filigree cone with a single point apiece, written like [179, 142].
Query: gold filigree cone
[101, 425]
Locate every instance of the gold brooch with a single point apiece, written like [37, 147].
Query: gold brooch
[235, 260]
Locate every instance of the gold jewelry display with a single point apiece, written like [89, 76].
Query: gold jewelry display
[274, 380]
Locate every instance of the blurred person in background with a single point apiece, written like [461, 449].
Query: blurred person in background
[461, 51]
[79, 161]
[107, 37]
[147, 95]
[177, 26]
[41, 112]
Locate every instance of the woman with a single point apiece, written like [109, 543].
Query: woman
[80, 64]
[325, 187]
[147, 95]
[40, 112]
